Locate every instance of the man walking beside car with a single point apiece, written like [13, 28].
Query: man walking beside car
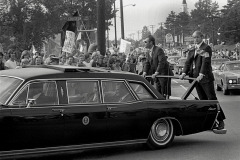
[198, 65]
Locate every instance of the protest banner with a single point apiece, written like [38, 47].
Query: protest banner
[69, 42]
[125, 47]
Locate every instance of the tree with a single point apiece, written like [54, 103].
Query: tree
[160, 35]
[204, 17]
[229, 30]
[33, 21]
[145, 32]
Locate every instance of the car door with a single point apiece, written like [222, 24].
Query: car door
[126, 115]
[36, 125]
[4, 131]
[85, 116]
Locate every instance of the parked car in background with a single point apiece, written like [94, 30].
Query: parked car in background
[173, 61]
[63, 109]
[178, 68]
[227, 76]
[216, 62]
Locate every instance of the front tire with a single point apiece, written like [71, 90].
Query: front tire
[225, 91]
[161, 134]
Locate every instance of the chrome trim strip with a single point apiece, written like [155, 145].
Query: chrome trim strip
[63, 149]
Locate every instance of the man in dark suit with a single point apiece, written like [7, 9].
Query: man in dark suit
[198, 65]
[157, 64]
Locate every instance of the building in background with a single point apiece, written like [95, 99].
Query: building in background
[184, 6]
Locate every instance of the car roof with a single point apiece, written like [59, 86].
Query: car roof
[48, 72]
[60, 71]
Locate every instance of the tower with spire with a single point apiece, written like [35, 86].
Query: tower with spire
[184, 6]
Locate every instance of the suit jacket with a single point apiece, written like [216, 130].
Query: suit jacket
[157, 63]
[202, 64]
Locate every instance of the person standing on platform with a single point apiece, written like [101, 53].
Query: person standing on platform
[198, 65]
[157, 64]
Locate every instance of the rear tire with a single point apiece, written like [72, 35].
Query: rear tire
[225, 91]
[161, 134]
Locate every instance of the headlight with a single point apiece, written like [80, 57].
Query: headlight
[232, 81]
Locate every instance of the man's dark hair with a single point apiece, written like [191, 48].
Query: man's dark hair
[1, 54]
[151, 38]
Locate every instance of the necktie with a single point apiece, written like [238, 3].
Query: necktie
[150, 54]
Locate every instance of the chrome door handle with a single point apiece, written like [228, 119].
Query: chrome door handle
[58, 110]
[110, 108]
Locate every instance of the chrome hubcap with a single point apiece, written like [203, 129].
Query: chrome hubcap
[161, 129]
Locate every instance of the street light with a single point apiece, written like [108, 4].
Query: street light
[122, 19]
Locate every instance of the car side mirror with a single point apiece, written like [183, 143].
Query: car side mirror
[30, 102]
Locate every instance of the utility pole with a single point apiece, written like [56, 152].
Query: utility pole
[152, 26]
[115, 24]
[101, 39]
[162, 34]
[122, 19]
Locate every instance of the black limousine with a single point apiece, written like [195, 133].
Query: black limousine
[59, 109]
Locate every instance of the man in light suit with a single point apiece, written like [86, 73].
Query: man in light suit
[198, 65]
[157, 64]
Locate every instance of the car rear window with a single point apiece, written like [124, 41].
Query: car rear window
[141, 91]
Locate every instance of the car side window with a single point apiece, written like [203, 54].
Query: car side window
[83, 92]
[141, 91]
[21, 98]
[116, 92]
[44, 93]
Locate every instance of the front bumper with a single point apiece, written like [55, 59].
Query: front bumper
[233, 86]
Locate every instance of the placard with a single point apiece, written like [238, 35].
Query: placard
[125, 46]
[169, 38]
[69, 42]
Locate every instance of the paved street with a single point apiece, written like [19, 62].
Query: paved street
[202, 146]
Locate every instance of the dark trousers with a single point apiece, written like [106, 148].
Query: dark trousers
[206, 92]
[163, 85]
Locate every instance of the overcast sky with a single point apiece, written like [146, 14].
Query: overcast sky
[146, 13]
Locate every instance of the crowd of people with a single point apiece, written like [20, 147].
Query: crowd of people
[132, 62]
[229, 54]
